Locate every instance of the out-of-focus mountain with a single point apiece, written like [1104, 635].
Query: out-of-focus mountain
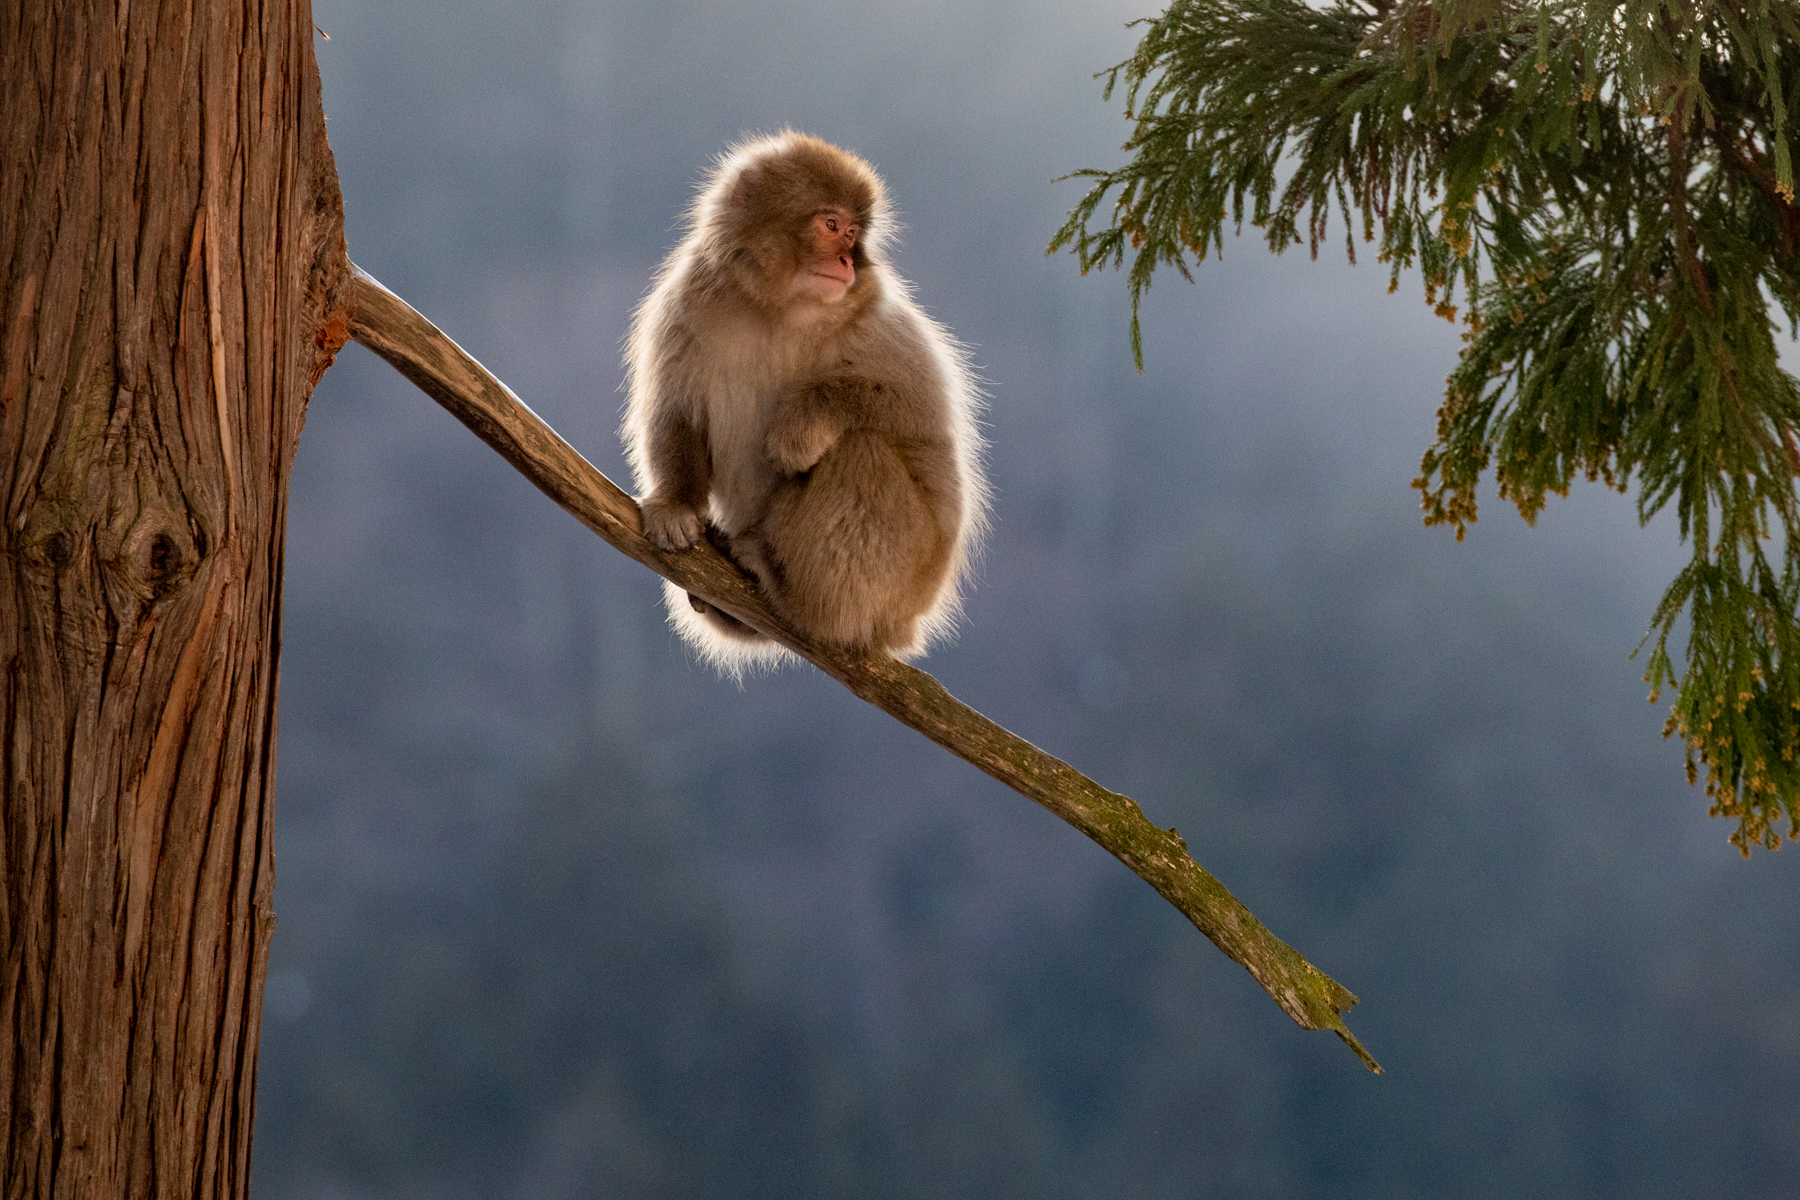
[562, 915]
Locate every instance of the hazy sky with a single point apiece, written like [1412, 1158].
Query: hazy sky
[524, 841]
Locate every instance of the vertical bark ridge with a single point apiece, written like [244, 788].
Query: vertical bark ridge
[171, 267]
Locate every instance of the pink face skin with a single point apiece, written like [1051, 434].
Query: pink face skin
[829, 269]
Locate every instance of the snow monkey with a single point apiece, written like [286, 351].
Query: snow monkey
[791, 402]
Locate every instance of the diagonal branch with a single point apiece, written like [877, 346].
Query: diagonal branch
[421, 352]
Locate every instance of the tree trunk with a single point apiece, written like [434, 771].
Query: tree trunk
[171, 258]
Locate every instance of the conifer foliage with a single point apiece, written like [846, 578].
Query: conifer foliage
[1607, 191]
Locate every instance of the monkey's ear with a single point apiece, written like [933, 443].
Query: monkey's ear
[743, 187]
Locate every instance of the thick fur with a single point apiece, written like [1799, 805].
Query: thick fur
[830, 447]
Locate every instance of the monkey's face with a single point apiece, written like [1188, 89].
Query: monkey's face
[827, 257]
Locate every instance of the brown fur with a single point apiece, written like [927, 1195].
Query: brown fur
[828, 444]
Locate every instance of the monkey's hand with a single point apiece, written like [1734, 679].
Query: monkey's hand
[670, 523]
[796, 447]
[808, 422]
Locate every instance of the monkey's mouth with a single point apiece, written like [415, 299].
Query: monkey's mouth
[837, 272]
[826, 289]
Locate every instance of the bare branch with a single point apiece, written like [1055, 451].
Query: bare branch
[420, 351]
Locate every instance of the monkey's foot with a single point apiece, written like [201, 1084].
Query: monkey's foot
[751, 554]
[724, 620]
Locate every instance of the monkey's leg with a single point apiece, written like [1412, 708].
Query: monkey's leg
[718, 618]
[856, 550]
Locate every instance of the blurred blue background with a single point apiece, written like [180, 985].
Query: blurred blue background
[563, 915]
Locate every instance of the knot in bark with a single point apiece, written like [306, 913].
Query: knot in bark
[158, 555]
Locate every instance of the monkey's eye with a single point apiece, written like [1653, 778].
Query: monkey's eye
[831, 224]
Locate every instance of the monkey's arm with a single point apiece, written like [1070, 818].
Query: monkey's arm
[809, 420]
[674, 512]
